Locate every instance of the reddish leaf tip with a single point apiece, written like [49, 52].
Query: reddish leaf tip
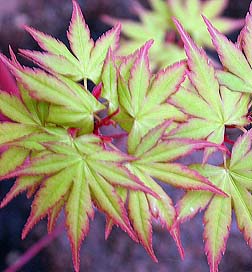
[175, 233]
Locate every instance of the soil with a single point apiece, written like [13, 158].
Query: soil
[118, 253]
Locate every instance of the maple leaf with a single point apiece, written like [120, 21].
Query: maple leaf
[88, 58]
[235, 179]
[153, 24]
[157, 24]
[75, 176]
[142, 96]
[183, 9]
[155, 159]
[64, 102]
[211, 106]
[236, 58]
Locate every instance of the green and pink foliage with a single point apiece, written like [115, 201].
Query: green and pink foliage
[211, 106]
[52, 140]
[234, 178]
[87, 57]
[235, 58]
[157, 24]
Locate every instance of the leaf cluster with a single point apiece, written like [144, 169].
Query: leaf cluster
[54, 139]
[157, 23]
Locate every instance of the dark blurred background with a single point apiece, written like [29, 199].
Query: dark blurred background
[119, 253]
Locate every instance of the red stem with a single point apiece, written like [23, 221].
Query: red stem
[35, 249]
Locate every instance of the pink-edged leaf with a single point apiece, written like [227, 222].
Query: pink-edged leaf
[54, 213]
[217, 220]
[106, 199]
[140, 78]
[246, 38]
[202, 73]
[242, 200]
[179, 176]
[32, 190]
[190, 204]
[160, 207]
[230, 56]
[123, 194]
[47, 164]
[170, 150]
[218, 214]
[140, 217]
[175, 233]
[11, 159]
[165, 83]
[110, 39]
[109, 79]
[111, 156]
[21, 184]
[241, 149]
[51, 191]
[13, 108]
[79, 37]
[45, 87]
[54, 63]
[56, 90]
[151, 139]
[119, 175]
[78, 210]
[13, 131]
[51, 45]
[209, 105]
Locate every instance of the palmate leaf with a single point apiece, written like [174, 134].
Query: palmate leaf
[236, 58]
[88, 58]
[183, 9]
[157, 24]
[65, 102]
[154, 159]
[210, 106]
[142, 96]
[236, 181]
[73, 175]
[154, 24]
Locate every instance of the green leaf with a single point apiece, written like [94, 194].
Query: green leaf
[55, 63]
[108, 40]
[178, 176]
[236, 183]
[12, 107]
[51, 45]
[53, 189]
[12, 131]
[195, 26]
[156, 22]
[231, 56]
[211, 106]
[79, 37]
[48, 164]
[88, 58]
[109, 79]
[78, 210]
[107, 200]
[141, 220]
[12, 158]
[140, 97]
